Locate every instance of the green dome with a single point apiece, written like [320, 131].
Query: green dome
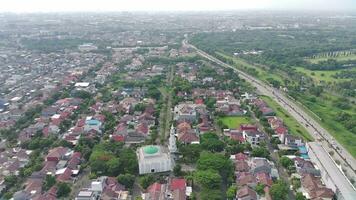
[150, 149]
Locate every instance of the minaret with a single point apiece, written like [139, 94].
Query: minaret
[172, 141]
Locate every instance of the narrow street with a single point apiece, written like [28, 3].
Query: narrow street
[166, 110]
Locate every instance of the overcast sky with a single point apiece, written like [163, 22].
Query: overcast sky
[171, 5]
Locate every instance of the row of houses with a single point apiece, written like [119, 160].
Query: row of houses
[251, 171]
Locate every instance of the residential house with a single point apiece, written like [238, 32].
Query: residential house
[293, 141]
[305, 167]
[253, 137]
[92, 124]
[246, 193]
[246, 178]
[314, 189]
[57, 154]
[186, 134]
[185, 112]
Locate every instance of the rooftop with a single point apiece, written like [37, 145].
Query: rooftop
[150, 149]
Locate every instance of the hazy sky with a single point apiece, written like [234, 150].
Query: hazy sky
[170, 5]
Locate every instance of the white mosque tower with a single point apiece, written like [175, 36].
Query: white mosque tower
[172, 141]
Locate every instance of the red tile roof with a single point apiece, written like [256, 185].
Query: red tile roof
[264, 178]
[178, 184]
[247, 127]
[57, 153]
[66, 176]
[281, 130]
[118, 138]
[241, 156]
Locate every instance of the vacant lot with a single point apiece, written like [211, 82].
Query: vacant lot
[235, 122]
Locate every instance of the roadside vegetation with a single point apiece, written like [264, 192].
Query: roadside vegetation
[318, 75]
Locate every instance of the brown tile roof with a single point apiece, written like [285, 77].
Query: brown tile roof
[246, 193]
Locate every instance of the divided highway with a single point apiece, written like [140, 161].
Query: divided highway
[312, 126]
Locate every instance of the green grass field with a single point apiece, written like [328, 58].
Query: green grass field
[322, 75]
[325, 109]
[319, 75]
[294, 127]
[235, 122]
[244, 66]
[322, 106]
[340, 58]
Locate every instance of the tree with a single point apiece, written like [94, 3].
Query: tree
[215, 161]
[190, 152]
[10, 180]
[260, 189]
[260, 152]
[146, 181]
[300, 196]
[316, 90]
[128, 156]
[208, 178]
[127, 180]
[208, 194]
[231, 192]
[210, 141]
[113, 167]
[295, 183]
[177, 170]
[140, 107]
[98, 166]
[49, 182]
[279, 190]
[63, 190]
[286, 162]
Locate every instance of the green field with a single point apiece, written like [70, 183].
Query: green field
[294, 127]
[325, 109]
[235, 122]
[325, 58]
[322, 75]
[244, 66]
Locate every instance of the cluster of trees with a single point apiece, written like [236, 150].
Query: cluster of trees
[287, 163]
[234, 147]
[331, 64]
[211, 142]
[190, 153]
[213, 170]
[281, 48]
[347, 120]
[112, 159]
[279, 190]
[345, 74]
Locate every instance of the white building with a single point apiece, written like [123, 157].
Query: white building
[253, 137]
[87, 47]
[185, 112]
[172, 141]
[152, 159]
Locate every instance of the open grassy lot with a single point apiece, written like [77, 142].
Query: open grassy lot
[322, 75]
[339, 58]
[325, 109]
[242, 65]
[235, 122]
[294, 127]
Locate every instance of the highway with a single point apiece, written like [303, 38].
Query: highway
[312, 126]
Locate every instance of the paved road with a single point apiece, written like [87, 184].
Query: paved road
[313, 127]
[330, 170]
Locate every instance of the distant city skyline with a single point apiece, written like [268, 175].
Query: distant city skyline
[171, 5]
